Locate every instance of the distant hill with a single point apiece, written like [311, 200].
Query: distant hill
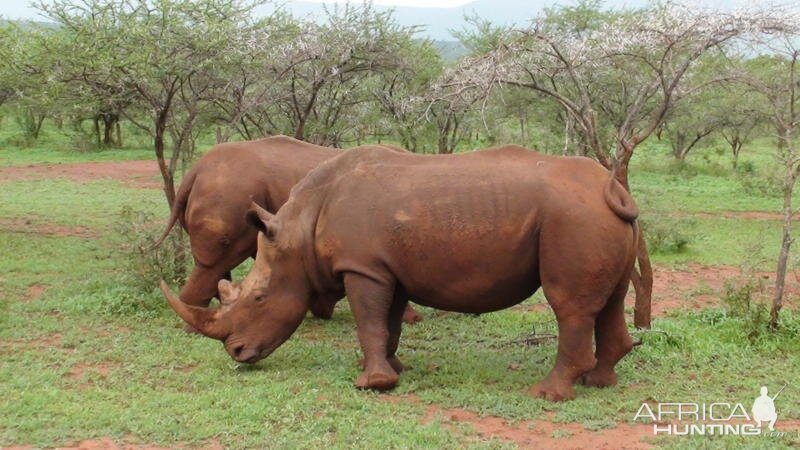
[450, 51]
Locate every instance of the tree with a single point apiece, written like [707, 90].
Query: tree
[774, 77]
[323, 68]
[400, 93]
[166, 56]
[690, 122]
[618, 77]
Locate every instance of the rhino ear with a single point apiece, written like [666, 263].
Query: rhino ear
[262, 220]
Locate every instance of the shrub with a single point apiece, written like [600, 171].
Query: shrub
[743, 300]
[667, 234]
[147, 265]
[768, 183]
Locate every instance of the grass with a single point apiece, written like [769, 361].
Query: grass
[95, 357]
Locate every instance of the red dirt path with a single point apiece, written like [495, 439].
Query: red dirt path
[698, 286]
[140, 174]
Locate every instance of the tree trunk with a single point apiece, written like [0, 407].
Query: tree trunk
[109, 121]
[300, 131]
[643, 280]
[119, 135]
[786, 243]
[166, 174]
[644, 291]
[678, 145]
[97, 131]
[736, 147]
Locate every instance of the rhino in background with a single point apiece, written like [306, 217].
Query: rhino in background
[474, 233]
[214, 197]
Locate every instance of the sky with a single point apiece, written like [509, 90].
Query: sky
[414, 3]
[19, 9]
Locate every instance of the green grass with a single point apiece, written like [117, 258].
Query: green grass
[94, 204]
[95, 357]
[65, 146]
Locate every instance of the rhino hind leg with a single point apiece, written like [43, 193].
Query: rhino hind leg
[397, 316]
[612, 340]
[574, 358]
[371, 303]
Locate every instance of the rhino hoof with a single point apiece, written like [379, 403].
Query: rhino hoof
[599, 378]
[381, 381]
[393, 361]
[553, 392]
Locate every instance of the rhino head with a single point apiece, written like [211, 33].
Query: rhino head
[259, 314]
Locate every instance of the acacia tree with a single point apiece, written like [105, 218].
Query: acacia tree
[690, 122]
[324, 66]
[740, 115]
[774, 78]
[30, 78]
[618, 79]
[166, 56]
[400, 93]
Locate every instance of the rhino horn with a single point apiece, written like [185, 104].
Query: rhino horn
[205, 320]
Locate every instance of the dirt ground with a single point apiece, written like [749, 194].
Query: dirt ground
[694, 287]
[698, 286]
[141, 174]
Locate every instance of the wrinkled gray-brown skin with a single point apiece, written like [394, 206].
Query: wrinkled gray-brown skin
[214, 197]
[473, 233]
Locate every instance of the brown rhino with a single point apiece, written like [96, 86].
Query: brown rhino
[214, 197]
[473, 233]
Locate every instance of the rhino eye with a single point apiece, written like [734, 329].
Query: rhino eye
[260, 298]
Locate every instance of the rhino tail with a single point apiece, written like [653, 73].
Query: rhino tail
[619, 199]
[179, 207]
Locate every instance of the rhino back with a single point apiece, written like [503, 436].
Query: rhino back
[453, 229]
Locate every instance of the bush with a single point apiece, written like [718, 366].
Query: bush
[667, 234]
[768, 183]
[743, 300]
[147, 265]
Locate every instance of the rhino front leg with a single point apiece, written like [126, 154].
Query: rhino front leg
[200, 288]
[371, 303]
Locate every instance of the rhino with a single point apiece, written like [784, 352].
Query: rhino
[473, 233]
[214, 197]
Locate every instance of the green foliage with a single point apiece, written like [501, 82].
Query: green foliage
[667, 234]
[767, 182]
[745, 303]
[146, 264]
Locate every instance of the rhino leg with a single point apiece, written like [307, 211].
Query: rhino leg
[395, 325]
[410, 315]
[612, 340]
[397, 315]
[201, 287]
[574, 358]
[322, 306]
[371, 303]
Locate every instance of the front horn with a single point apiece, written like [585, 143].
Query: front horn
[204, 320]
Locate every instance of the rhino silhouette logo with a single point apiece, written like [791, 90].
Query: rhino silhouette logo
[764, 408]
